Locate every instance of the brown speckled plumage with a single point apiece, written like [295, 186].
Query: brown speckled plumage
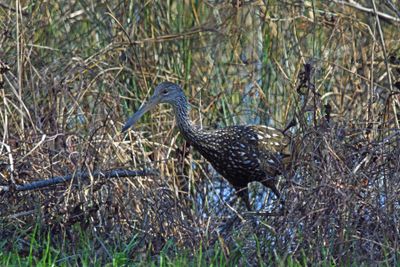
[241, 154]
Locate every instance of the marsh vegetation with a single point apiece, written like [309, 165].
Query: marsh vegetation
[73, 71]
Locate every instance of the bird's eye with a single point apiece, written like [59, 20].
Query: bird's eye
[165, 92]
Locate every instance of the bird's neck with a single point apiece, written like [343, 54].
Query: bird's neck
[189, 131]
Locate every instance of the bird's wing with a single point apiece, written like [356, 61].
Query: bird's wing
[271, 139]
[268, 146]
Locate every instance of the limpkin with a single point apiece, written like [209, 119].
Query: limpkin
[241, 154]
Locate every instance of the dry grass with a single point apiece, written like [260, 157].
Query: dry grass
[77, 70]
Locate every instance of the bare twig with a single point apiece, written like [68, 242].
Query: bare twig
[368, 10]
[24, 13]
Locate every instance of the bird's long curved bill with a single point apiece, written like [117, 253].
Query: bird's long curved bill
[142, 110]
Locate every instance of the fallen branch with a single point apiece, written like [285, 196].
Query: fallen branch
[79, 175]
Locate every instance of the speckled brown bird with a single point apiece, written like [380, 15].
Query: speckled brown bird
[241, 154]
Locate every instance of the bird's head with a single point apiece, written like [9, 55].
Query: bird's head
[165, 92]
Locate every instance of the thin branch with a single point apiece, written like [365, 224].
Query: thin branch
[80, 175]
[24, 13]
[366, 9]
